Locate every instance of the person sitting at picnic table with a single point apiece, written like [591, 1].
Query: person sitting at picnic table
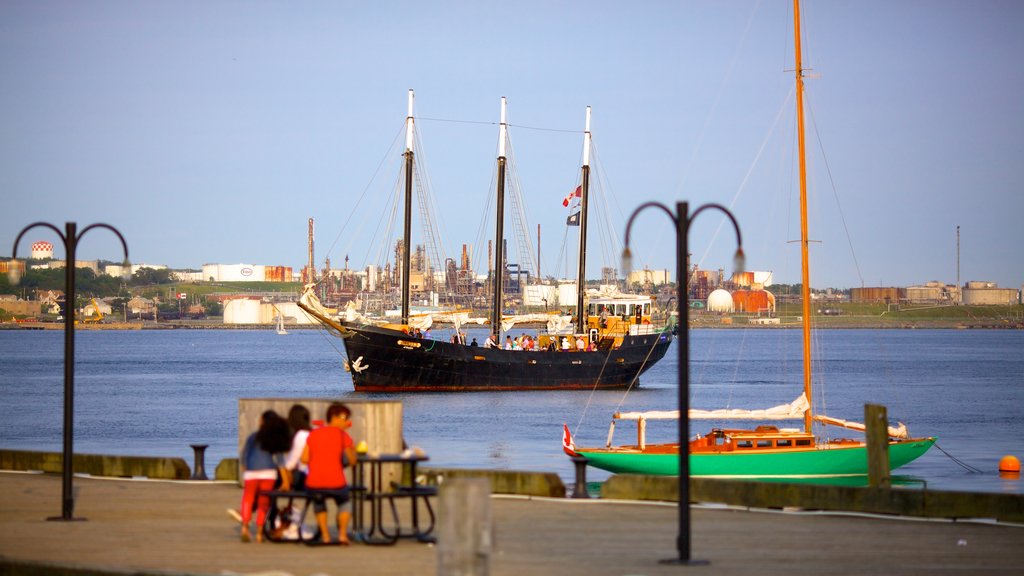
[260, 460]
[328, 450]
[300, 426]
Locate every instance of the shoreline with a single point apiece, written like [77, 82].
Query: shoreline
[721, 323]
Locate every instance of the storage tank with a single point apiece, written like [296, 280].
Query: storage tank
[753, 301]
[878, 294]
[291, 312]
[242, 311]
[42, 250]
[720, 301]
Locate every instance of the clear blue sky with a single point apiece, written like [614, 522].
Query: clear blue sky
[210, 131]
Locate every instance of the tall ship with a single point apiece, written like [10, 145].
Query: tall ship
[765, 450]
[608, 342]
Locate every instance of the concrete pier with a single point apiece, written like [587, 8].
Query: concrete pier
[150, 527]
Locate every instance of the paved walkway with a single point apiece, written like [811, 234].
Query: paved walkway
[145, 527]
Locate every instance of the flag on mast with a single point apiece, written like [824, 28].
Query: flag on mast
[573, 220]
[578, 192]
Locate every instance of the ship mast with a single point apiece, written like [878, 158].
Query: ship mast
[499, 233]
[407, 230]
[581, 278]
[805, 288]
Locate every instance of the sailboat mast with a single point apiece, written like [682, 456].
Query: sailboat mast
[805, 275]
[499, 233]
[581, 278]
[407, 230]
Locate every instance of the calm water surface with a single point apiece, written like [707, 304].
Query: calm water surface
[156, 392]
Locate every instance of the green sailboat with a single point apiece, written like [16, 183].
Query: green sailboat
[765, 451]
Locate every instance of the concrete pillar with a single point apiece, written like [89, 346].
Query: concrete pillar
[464, 536]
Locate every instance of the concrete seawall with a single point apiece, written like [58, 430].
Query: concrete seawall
[97, 464]
[920, 503]
[899, 502]
[545, 484]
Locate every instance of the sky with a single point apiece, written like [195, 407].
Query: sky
[210, 132]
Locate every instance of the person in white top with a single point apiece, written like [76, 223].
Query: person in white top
[491, 342]
[299, 422]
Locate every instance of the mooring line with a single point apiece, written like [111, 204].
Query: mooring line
[965, 465]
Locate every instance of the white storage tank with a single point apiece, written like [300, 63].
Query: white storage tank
[292, 313]
[242, 311]
[720, 301]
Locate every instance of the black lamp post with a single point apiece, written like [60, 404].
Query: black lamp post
[682, 219]
[70, 239]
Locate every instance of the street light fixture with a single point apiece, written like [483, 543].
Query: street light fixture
[70, 238]
[682, 220]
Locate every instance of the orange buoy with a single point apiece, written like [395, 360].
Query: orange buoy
[1009, 464]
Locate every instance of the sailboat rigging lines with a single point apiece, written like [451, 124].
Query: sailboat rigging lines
[766, 450]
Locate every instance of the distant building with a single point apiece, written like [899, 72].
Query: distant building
[187, 275]
[753, 301]
[886, 294]
[752, 279]
[42, 250]
[249, 310]
[647, 276]
[986, 293]
[140, 306]
[12, 305]
[246, 273]
[93, 265]
[933, 292]
[720, 301]
[117, 270]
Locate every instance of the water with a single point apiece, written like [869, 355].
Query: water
[156, 392]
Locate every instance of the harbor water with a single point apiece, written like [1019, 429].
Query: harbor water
[155, 392]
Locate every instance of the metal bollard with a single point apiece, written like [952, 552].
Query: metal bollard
[199, 471]
[580, 489]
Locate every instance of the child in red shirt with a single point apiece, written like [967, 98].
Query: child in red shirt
[328, 450]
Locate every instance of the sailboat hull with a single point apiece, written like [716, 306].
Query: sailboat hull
[821, 461]
[383, 360]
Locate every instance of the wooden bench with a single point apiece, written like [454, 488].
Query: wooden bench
[306, 496]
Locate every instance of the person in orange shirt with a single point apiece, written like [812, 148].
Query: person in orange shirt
[328, 450]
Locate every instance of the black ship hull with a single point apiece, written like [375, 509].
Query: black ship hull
[384, 360]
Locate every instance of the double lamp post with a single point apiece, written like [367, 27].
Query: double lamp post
[70, 238]
[682, 220]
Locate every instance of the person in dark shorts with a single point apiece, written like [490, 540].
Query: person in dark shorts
[328, 450]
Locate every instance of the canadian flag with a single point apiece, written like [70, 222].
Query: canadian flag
[568, 446]
[578, 192]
